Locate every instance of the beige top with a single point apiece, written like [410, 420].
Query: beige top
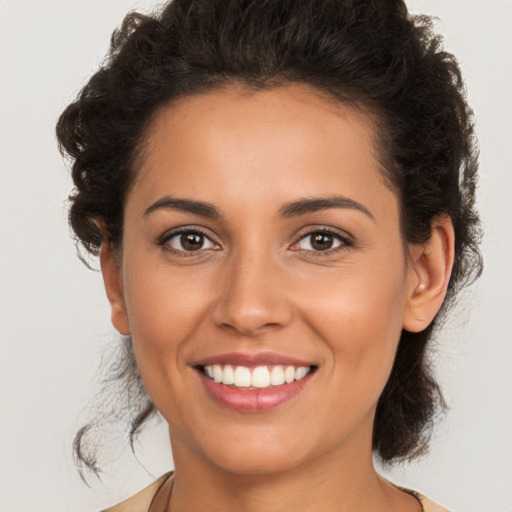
[143, 499]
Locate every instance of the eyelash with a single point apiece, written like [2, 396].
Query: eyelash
[345, 241]
[164, 240]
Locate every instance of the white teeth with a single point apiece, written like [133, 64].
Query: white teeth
[228, 376]
[242, 378]
[289, 374]
[217, 373]
[277, 376]
[258, 377]
[301, 372]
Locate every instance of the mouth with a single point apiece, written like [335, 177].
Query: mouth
[259, 377]
[254, 383]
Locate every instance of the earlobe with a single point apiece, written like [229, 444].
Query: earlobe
[430, 267]
[114, 288]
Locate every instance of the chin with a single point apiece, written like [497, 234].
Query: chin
[248, 449]
[257, 461]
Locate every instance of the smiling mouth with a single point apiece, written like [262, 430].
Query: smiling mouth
[258, 377]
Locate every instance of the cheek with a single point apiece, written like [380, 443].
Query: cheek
[162, 301]
[360, 320]
[166, 307]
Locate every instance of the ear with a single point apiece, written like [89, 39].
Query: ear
[430, 267]
[112, 280]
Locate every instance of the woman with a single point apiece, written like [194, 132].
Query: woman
[281, 196]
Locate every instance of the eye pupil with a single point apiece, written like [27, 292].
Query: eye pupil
[322, 241]
[192, 241]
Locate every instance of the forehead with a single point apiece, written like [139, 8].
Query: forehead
[233, 143]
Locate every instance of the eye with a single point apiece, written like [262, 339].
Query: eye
[189, 240]
[321, 240]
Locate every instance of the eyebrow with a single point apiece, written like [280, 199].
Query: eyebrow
[185, 205]
[294, 209]
[304, 206]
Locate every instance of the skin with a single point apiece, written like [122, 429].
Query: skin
[258, 285]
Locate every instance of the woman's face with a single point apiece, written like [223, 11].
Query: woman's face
[260, 235]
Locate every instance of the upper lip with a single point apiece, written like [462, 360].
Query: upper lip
[250, 360]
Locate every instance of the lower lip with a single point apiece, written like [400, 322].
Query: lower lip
[253, 400]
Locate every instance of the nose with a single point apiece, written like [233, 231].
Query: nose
[253, 298]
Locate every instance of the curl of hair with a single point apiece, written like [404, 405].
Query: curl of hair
[368, 53]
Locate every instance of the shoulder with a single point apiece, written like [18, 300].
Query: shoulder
[428, 505]
[141, 501]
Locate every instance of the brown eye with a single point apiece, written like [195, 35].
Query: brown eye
[189, 241]
[322, 241]
[319, 241]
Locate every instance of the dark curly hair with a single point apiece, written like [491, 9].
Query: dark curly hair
[368, 53]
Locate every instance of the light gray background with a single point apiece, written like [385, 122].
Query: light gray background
[54, 319]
